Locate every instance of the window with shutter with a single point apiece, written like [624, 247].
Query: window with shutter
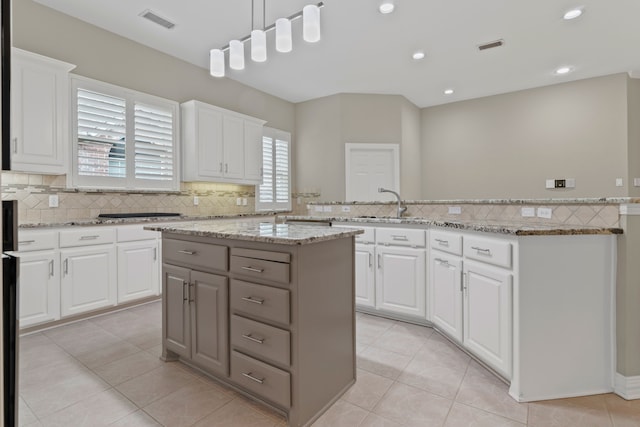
[275, 191]
[123, 139]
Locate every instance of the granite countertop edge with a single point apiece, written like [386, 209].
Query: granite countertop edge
[517, 229]
[290, 235]
[144, 220]
[549, 201]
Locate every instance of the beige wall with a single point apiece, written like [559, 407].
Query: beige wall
[325, 125]
[108, 57]
[633, 119]
[505, 146]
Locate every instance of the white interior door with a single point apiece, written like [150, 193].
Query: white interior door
[369, 167]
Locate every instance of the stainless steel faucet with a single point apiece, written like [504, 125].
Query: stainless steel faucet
[401, 209]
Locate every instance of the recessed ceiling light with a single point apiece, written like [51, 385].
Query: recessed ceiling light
[563, 70]
[572, 14]
[448, 91]
[418, 55]
[386, 7]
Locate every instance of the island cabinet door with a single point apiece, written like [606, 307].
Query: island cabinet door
[209, 328]
[488, 315]
[176, 322]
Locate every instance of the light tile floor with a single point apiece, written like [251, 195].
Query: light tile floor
[106, 372]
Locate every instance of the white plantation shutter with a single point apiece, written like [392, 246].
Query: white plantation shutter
[123, 139]
[275, 191]
[101, 135]
[154, 143]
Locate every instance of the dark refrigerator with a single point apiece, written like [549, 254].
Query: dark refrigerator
[9, 353]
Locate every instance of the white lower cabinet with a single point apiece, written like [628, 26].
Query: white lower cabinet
[400, 280]
[488, 315]
[365, 275]
[88, 279]
[39, 287]
[445, 293]
[137, 270]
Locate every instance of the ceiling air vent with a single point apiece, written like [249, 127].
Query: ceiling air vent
[153, 17]
[491, 45]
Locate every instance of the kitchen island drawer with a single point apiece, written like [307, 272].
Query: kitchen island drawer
[265, 265]
[201, 256]
[446, 241]
[261, 301]
[261, 340]
[269, 382]
[491, 251]
[87, 236]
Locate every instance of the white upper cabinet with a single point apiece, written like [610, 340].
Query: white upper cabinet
[39, 113]
[220, 145]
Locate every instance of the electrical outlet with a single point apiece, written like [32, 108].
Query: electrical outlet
[571, 182]
[196, 200]
[327, 209]
[53, 201]
[346, 209]
[318, 208]
[239, 201]
[549, 183]
[559, 183]
[619, 182]
[636, 182]
[244, 201]
[455, 210]
[545, 213]
[528, 212]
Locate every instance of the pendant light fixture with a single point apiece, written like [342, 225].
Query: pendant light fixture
[310, 15]
[311, 23]
[284, 43]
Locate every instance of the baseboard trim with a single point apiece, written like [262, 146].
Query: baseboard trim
[627, 387]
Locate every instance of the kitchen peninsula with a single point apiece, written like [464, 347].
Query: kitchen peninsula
[266, 308]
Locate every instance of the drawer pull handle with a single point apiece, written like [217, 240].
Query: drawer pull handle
[26, 242]
[254, 339]
[399, 237]
[253, 300]
[442, 261]
[95, 236]
[187, 252]
[442, 242]
[253, 269]
[486, 251]
[252, 378]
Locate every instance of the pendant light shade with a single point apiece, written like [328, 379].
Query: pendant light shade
[236, 55]
[216, 63]
[284, 43]
[258, 45]
[311, 23]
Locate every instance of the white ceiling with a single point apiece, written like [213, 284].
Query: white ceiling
[363, 51]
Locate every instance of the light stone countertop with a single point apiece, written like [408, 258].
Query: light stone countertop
[550, 201]
[143, 220]
[285, 234]
[501, 227]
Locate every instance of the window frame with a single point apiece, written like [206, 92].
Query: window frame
[275, 134]
[131, 97]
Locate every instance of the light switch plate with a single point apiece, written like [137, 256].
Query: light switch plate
[545, 213]
[327, 209]
[239, 201]
[636, 182]
[318, 208]
[346, 209]
[53, 201]
[244, 201]
[455, 210]
[196, 201]
[570, 183]
[528, 212]
[619, 182]
[550, 183]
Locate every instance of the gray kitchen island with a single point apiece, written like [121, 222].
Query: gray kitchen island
[265, 308]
